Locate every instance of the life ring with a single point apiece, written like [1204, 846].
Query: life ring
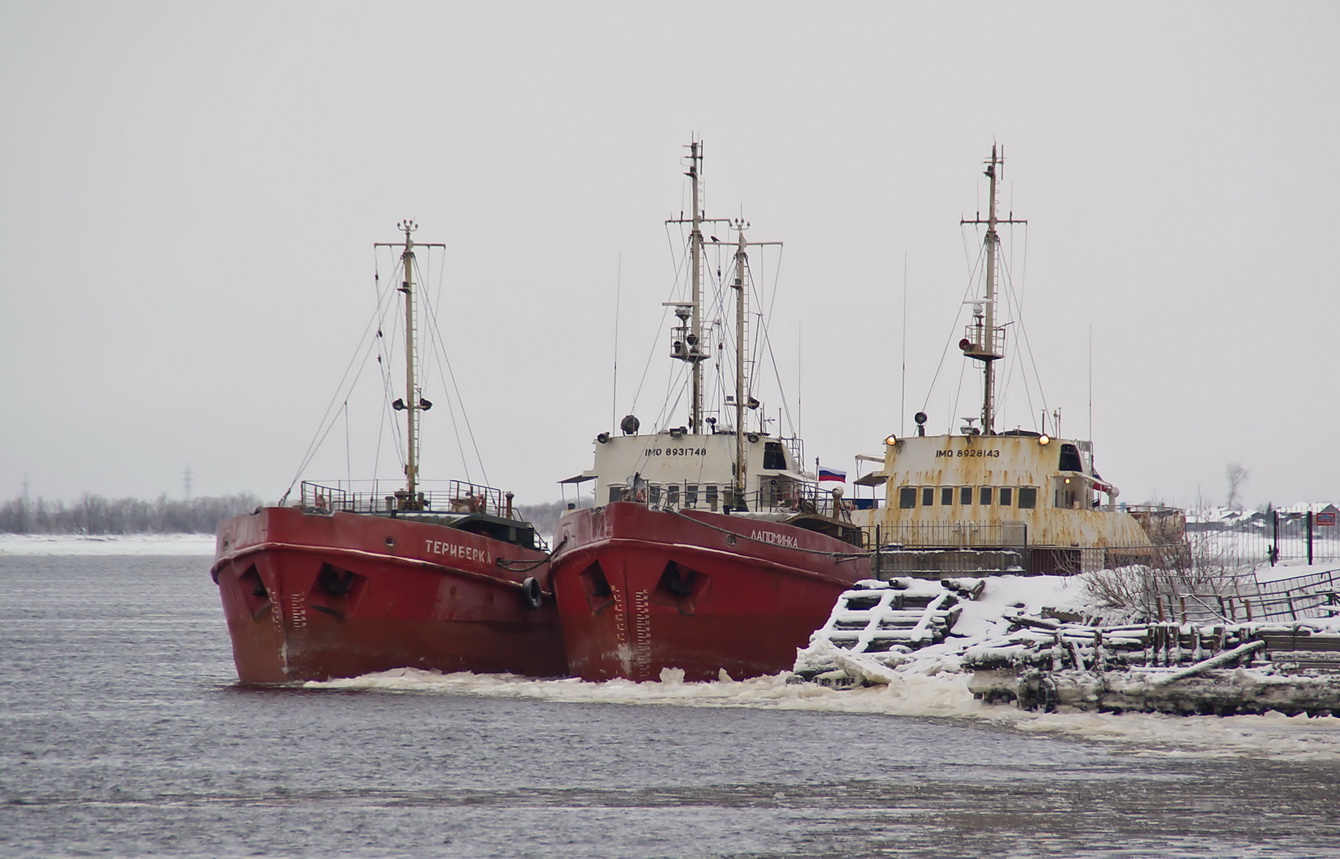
[530, 593]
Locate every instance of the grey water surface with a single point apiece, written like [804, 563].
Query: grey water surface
[123, 732]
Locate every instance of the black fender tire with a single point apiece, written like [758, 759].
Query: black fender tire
[531, 594]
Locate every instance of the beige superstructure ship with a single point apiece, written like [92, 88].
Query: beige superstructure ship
[1017, 490]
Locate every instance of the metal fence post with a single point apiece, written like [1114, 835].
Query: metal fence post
[1274, 535]
[1309, 536]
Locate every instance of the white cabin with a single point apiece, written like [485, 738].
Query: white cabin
[679, 470]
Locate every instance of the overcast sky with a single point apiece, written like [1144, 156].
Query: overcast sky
[190, 193]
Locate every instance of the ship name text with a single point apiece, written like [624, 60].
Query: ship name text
[775, 539]
[469, 553]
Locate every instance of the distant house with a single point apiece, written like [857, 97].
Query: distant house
[1220, 519]
[1300, 511]
[1292, 518]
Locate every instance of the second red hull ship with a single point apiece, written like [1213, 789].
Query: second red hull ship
[710, 549]
[642, 590]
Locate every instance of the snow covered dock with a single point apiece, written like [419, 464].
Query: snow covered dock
[1023, 640]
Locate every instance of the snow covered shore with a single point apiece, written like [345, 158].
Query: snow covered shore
[116, 544]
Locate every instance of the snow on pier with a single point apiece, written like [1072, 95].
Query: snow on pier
[1032, 641]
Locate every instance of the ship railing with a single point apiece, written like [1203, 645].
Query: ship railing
[975, 341]
[459, 497]
[720, 498]
[796, 447]
[950, 535]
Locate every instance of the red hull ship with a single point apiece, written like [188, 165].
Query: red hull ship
[346, 583]
[643, 590]
[712, 550]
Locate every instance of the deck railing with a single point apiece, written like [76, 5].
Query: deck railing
[950, 535]
[690, 495]
[459, 497]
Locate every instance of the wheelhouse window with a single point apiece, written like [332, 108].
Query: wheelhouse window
[984, 496]
[1005, 496]
[1028, 497]
[907, 497]
[1070, 460]
[672, 495]
[965, 495]
[946, 496]
[927, 496]
[773, 457]
[691, 495]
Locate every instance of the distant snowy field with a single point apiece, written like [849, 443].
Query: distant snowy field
[128, 544]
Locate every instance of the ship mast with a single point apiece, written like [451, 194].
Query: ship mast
[985, 342]
[696, 321]
[740, 463]
[691, 348]
[412, 403]
[411, 424]
[743, 399]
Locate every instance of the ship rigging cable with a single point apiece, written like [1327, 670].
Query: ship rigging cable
[440, 355]
[967, 293]
[357, 359]
[386, 305]
[660, 325]
[1017, 308]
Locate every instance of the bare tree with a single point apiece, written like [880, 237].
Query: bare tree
[1193, 572]
[1237, 476]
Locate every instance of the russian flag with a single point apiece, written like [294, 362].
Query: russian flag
[826, 473]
